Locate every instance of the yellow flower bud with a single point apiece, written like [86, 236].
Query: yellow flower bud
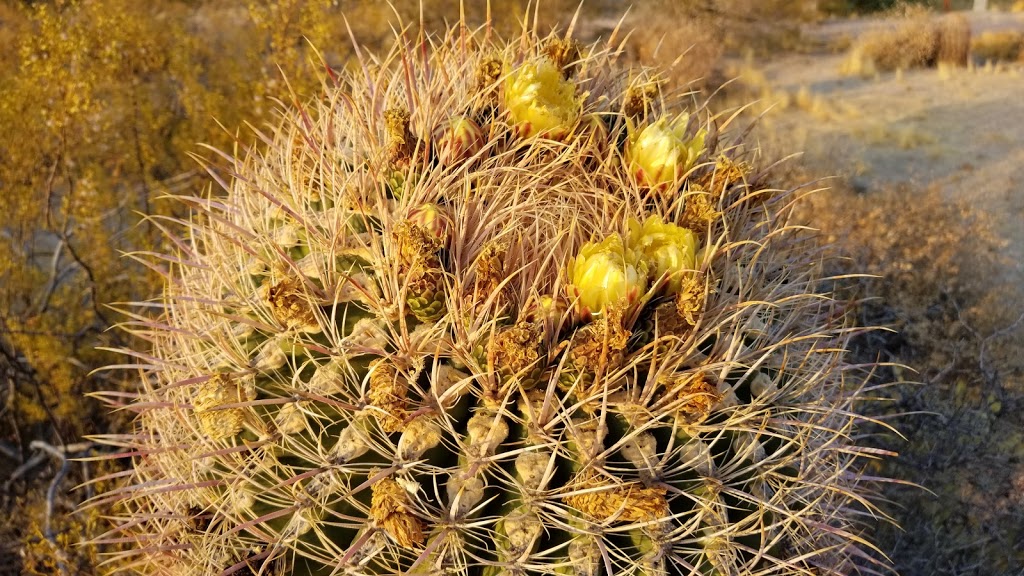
[433, 219]
[540, 101]
[606, 274]
[660, 153]
[457, 140]
[670, 250]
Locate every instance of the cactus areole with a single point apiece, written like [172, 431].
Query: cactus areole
[439, 325]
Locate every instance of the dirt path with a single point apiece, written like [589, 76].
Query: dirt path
[959, 129]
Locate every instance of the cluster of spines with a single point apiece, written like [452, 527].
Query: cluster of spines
[421, 334]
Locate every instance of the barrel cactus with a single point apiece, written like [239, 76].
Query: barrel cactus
[490, 308]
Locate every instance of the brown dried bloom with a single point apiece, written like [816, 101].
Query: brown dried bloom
[517, 348]
[668, 322]
[291, 306]
[697, 396]
[639, 100]
[600, 344]
[390, 511]
[726, 173]
[401, 142]
[388, 390]
[699, 211]
[691, 298]
[564, 53]
[597, 348]
[514, 351]
[488, 73]
[629, 502]
[416, 246]
[490, 269]
[221, 390]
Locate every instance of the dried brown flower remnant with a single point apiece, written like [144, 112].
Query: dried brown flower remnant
[416, 246]
[639, 100]
[488, 73]
[221, 390]
[600, 344]
[490, 269]
[726, 173]
[515, 352]
[691, 298]
[390, 511]
[420, 266]
[697, 395]
[668, 322]
[388, 390]
[629, 502]
[290, 306]
[401, 142]
[564, 53]
[597, 348]
[699, 211]
[515, 349]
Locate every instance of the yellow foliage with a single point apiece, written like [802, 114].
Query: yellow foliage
[103, 103]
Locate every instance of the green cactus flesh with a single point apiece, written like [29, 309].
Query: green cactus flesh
[334, 388]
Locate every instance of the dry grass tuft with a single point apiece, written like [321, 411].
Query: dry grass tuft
[954, 40]
[915, 40]
[1002, 46]
[911, 43]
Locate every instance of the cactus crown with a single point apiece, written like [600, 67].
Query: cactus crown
[441, 326]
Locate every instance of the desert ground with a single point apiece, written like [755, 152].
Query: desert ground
[933, 153]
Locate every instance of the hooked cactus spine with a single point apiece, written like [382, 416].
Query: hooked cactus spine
[494, 309]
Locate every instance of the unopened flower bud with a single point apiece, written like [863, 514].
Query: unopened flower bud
[457, 140]
[661, 153]
[433, 219]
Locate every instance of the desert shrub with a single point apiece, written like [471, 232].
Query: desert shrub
[490, 308]
[689, 40]
[910, 42]
[939, 284]
[691, 36]
[915, 39]
[954, 40]
[1001, 46]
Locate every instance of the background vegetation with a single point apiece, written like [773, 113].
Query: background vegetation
[103, 102]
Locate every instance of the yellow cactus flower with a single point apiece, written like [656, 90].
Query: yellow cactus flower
[540, 101]
[660, 153]
[606, 273]
[670, 250]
